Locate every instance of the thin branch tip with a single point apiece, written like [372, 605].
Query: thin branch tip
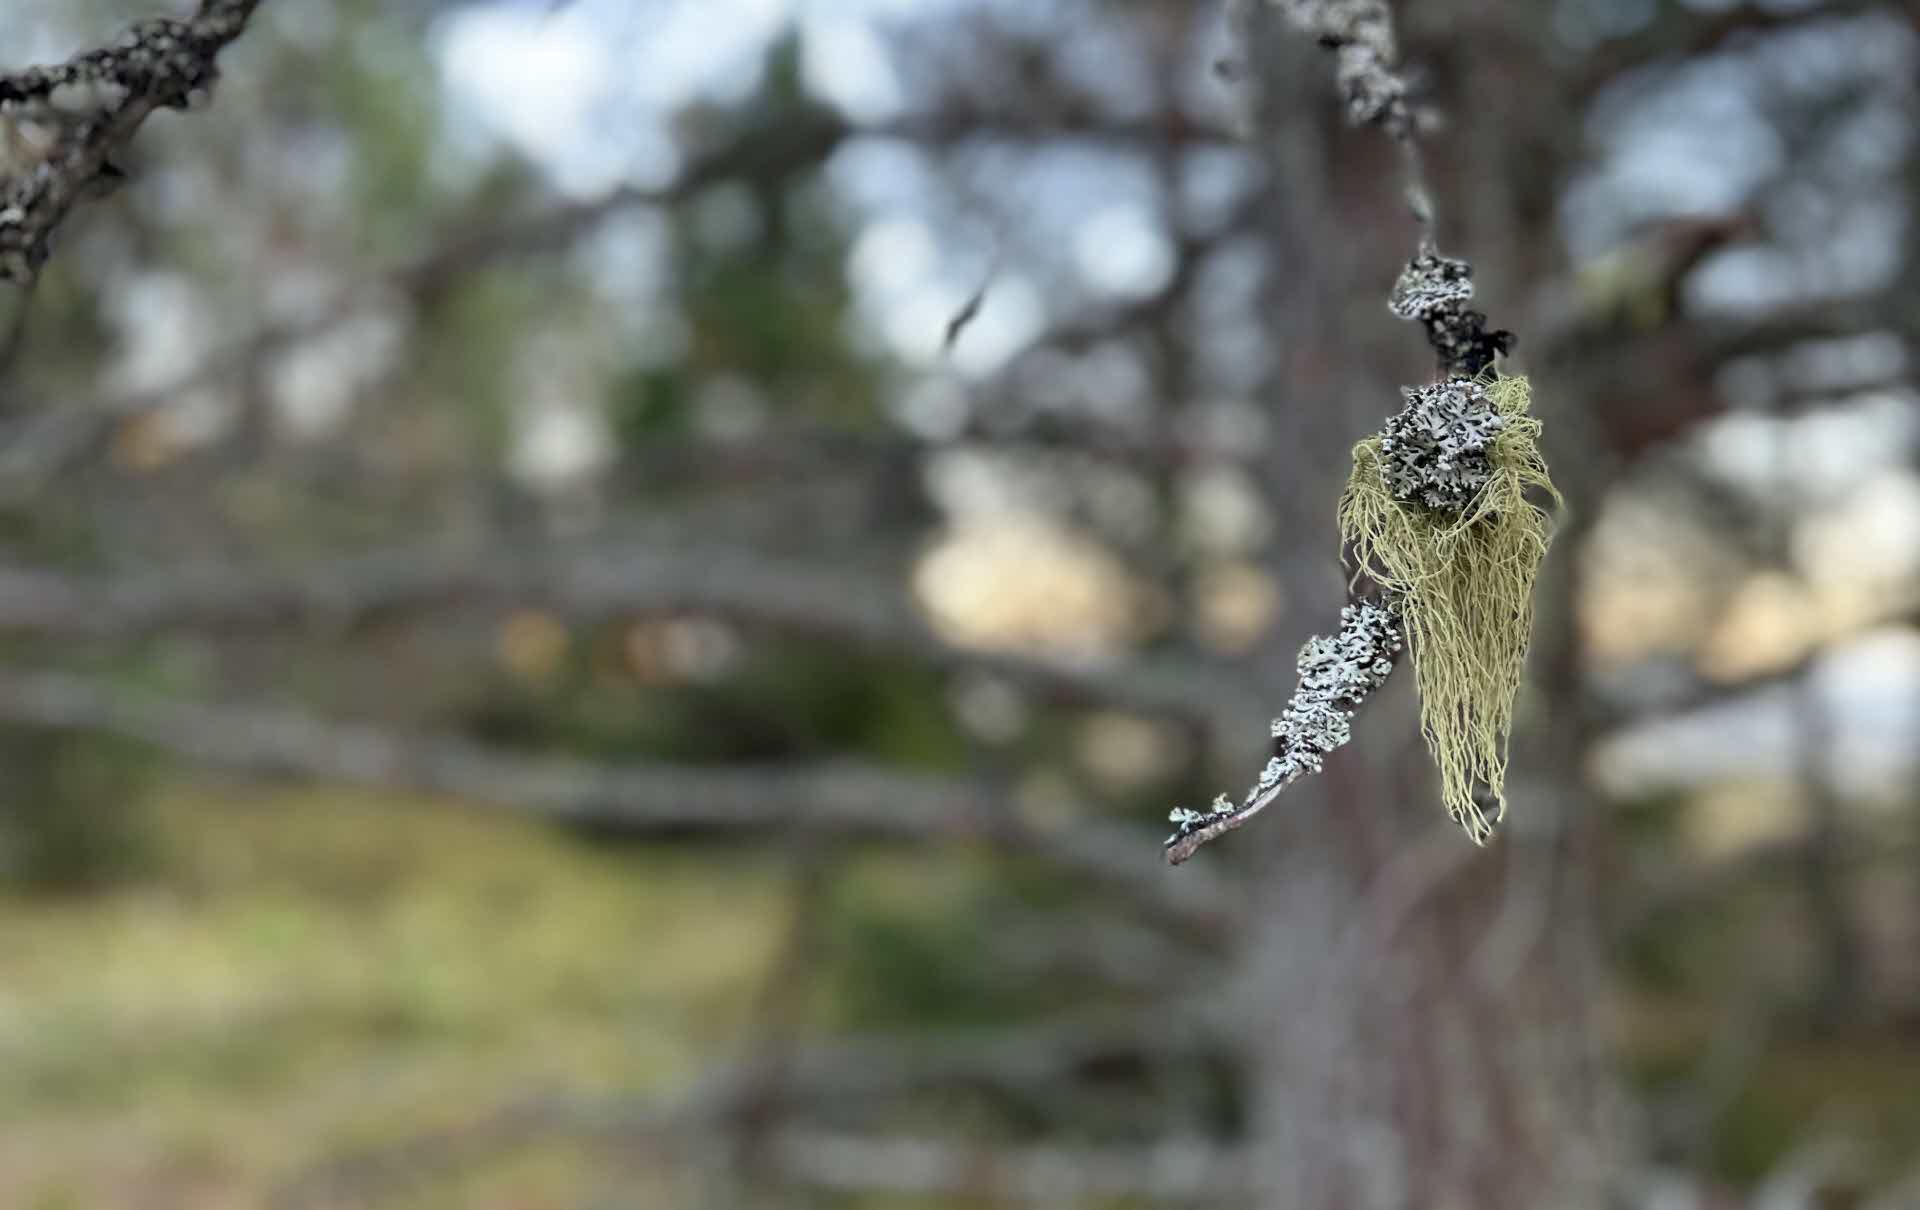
[1338, 675]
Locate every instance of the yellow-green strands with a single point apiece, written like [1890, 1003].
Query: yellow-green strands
[1436, 512]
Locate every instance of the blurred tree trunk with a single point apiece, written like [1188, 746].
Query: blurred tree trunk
[1425, 1013]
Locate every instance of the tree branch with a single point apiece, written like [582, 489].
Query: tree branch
[1439, 442]
[55, 439]
[868, 1074]
[1690, 32]
[1337, 677]
[843, 799]
[1168, 1170]
[589, 583]
[64, 123]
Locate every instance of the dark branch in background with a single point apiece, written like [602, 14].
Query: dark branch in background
[585, 584]
[968, 312]
[63, 124]
[1338, 675]
[837, 799]
[1685, 32]
[1176, 1171]
[52, 439]
[56, 438]
[867, 1076]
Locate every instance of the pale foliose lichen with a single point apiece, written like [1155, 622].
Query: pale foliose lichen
[1436, 450]
[1434, 291]
[1360, 33]
[1337, 675]
[62, 123]
[1429, 286]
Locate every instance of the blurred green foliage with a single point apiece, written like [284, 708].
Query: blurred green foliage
[296, 974]
[70, 810]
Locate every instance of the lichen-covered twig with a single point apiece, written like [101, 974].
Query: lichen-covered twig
[1360, 35]
[61, 125]
[1433, 291]
[1435, 510]
[1337, 676]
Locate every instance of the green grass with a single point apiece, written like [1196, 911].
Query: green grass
[304, 971]
[1864, 1090]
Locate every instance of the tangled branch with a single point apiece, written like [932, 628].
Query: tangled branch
[60, 126]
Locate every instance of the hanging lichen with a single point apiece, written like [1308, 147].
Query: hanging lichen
[1436, 513]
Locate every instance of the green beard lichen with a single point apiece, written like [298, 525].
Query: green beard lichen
[1463, 583]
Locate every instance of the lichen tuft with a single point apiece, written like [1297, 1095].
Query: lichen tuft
[1437, 513]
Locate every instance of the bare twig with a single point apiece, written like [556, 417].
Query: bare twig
[968, 312]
